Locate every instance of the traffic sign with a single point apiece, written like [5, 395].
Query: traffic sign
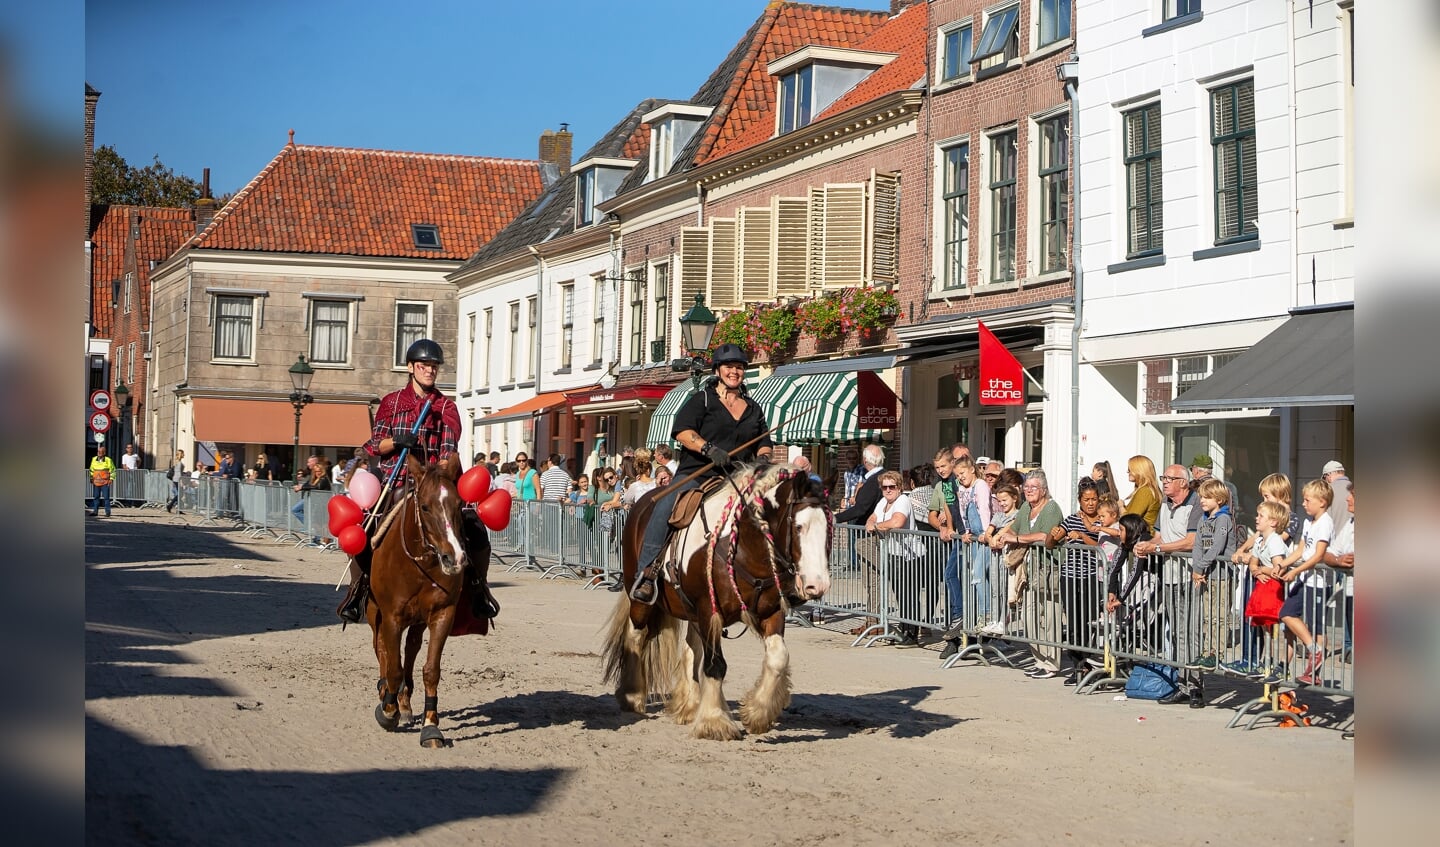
[99, 437]
[100, 422]
[100, 399]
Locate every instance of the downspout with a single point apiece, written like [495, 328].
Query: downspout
[539, 310]
[1294, 299]
[1078, 274]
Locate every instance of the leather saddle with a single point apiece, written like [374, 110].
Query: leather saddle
[687, 505]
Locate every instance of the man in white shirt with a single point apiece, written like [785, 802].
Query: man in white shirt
[1176, 526]
[130, 461]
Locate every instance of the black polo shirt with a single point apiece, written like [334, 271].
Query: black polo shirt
[704, 413]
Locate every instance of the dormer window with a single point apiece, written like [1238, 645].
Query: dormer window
[671, 128]
[813, 78]
[597, 180]
[426, 236]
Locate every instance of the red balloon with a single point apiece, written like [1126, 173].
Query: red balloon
[344, 512]
[474, 484]
[352, 539]
[494, 511]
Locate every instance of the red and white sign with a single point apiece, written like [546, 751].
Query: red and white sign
[99, 421]
[878, 407]
[100, 399]
[1002, 381]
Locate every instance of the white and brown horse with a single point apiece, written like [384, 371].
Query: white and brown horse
[760, 546]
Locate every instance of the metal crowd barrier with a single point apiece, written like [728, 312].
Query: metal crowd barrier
[554, 539]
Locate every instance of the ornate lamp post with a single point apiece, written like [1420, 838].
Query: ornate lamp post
[122, 401]
[300, 375]
[697, 328]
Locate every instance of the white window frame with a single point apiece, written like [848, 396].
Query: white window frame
[597, 306]
[1000, 59]
[790, 122]
[310, 323]
[485, 348]
[472, 321]
[513, 363]
[635, 287]
[530, 318]
[399, 361]
[660, 300]
[567, 324]
[942, 52]
[130, 365]
[942, 219]
[255, 319]
[1035, 242]
[1038, 19]
[129, 290]
[1182, 370]
[987, 247]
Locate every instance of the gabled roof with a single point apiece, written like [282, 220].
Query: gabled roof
[346, 201]
[552, 214]
[784, 28]
[163, 230]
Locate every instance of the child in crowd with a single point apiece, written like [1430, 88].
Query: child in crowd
[1214, 543]
[1267, 550]
[1304, 607]
[1108, 532]
[1008, 499]
[1274, 488]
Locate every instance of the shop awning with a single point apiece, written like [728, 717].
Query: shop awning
[604, 401]
[830, 402]
[273, 422]
[536, 405]
[1308, 361]
[664, 415]
[881, 362]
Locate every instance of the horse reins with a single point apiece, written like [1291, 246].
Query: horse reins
[414, 498]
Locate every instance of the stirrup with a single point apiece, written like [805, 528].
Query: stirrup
[352, 608]
[646, 589]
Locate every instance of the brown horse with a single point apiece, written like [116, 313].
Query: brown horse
[766, 550]
[415, 582]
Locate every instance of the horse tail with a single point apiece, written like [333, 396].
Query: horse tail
[643, 661]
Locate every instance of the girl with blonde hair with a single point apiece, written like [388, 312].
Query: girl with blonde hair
[1145, 499]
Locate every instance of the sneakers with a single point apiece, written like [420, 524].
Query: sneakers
[1245, 669]
[1204, 663]
[1276, 675]
[1041, 673]
[1312, 668]
[993, 628]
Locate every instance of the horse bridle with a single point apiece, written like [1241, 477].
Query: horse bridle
[433, 551]
[780, 562]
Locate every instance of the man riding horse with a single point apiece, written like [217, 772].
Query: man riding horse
[433, 442]
[713, 421]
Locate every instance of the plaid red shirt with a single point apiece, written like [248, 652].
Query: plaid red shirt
[438, 436]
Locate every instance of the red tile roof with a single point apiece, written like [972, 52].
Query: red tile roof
[345, 201]
[162, 232]
[749, 105]
[904, 34]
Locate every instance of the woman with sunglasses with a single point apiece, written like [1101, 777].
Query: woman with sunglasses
[526, 478]
[895, 511]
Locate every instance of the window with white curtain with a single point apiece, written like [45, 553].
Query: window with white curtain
[329, 332]
[234, 327]
[412, 323]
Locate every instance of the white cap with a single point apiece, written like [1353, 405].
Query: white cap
[1332, 466]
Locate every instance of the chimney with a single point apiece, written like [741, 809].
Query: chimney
[205, 207]
[897, 6]
[92, 97]
[555, 148]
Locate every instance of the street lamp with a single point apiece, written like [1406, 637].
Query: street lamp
[122, 398]
[300, 375]
[697, 328]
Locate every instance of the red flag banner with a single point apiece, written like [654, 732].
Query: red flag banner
[1002, 382]
[878, 408]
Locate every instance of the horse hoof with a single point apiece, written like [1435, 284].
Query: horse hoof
[387, 722]
[406, 717]
[431, 738]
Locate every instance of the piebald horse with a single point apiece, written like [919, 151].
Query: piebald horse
[760, 546]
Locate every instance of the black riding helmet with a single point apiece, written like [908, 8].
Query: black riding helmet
[729, 354]
[425, 350]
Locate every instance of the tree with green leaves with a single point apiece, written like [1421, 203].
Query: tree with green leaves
[117, 182]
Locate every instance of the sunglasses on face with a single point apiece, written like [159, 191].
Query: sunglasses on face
[888, 487]
[1170, 478]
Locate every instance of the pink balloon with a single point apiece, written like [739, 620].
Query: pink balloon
[352, 539]
[494, 511]
[343, 513]
[364, 488]
[474, 484]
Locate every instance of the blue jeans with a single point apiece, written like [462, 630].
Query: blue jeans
[298, 511]
[98, 494]
[658, 526]
[954, 591]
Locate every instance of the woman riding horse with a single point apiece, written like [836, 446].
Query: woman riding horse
[714, 421]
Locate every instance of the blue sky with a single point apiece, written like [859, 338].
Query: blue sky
[218, 84]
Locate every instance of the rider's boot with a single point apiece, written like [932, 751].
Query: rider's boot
[482, 602]
[352, 608]
[646, 590]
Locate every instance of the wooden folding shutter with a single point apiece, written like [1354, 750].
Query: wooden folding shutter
[756, 237]
[792, 246]
[885, 227]
[724, 286]
[844, 262]
[815, 239]
[694, 266]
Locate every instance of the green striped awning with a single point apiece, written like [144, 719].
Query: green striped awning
[830, 400]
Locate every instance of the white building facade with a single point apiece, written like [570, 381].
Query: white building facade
[1213, 205]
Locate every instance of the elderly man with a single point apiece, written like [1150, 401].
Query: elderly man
[867, 547]
[1041, 609]
[803, 464]
[1175, 530]
[1334, 473]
